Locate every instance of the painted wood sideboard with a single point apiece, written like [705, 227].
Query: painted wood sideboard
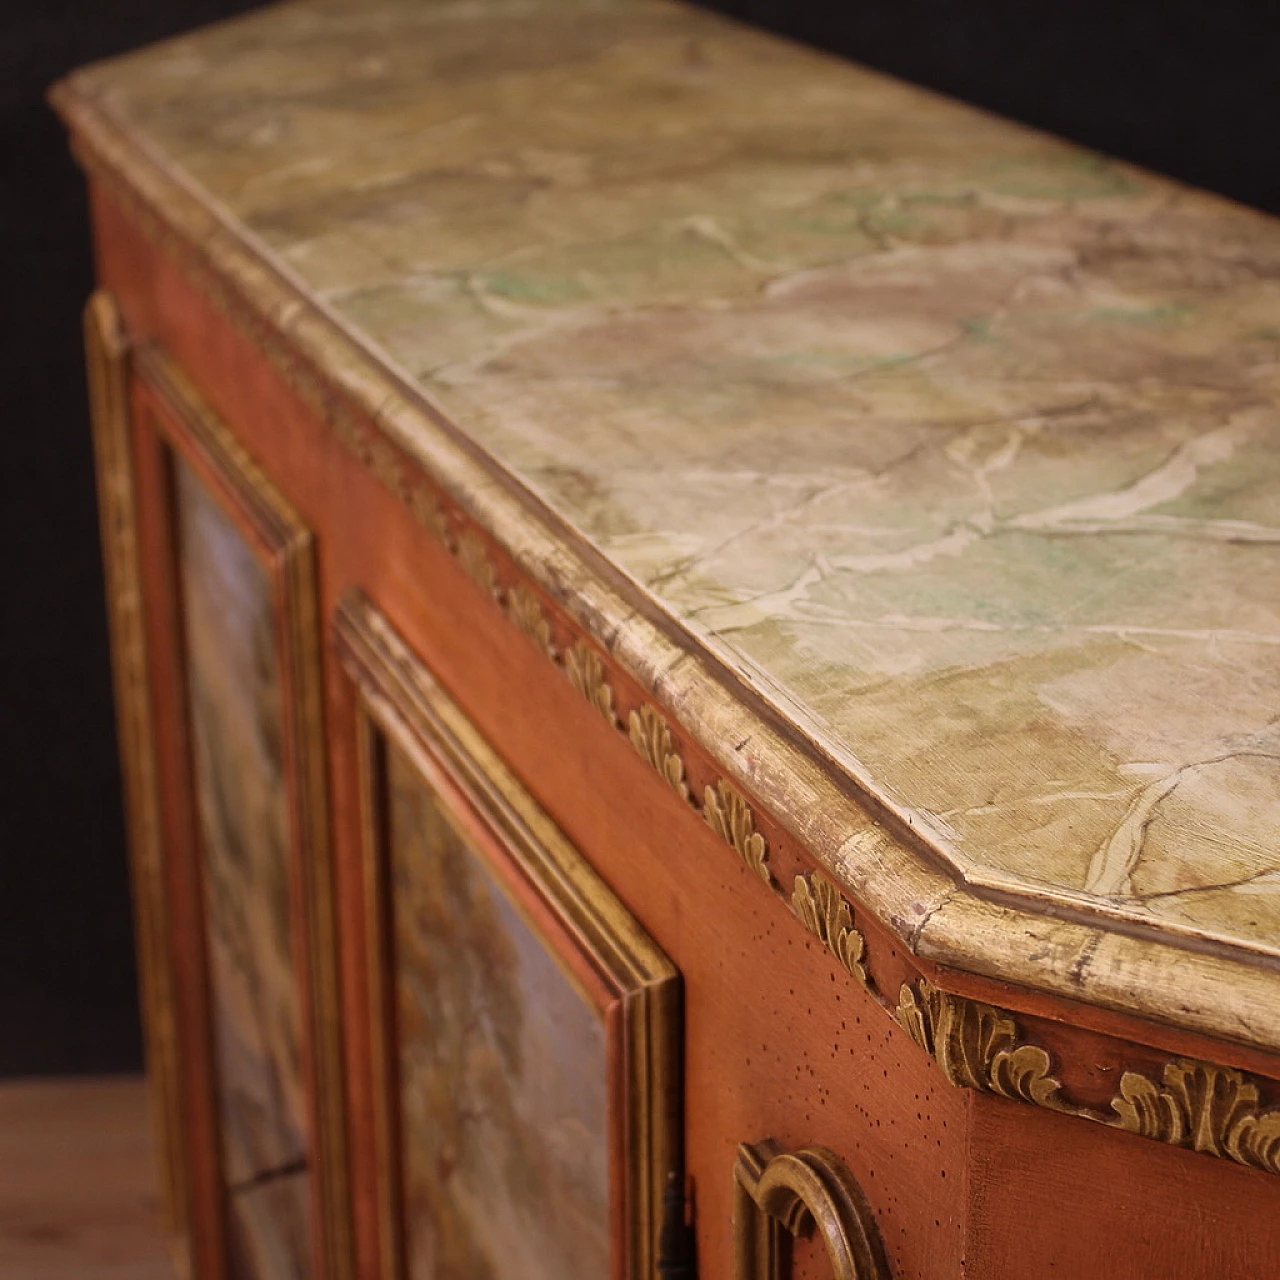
[696, 636]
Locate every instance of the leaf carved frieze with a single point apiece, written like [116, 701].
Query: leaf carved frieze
[978, 1046]
[651, 736]
[1210, 1109]
[525, 611]
[473, 555]
[586, 672]
[825, 913]
[728, 814]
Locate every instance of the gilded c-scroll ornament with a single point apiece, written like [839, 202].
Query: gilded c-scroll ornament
[801, 1192]
[651, 736]
[730, 817]
[1209, 1109]
[977, 1046]
[585, 669]
[825, 913]
[473, 555]
[524, 610]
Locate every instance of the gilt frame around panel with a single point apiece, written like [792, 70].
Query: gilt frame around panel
[109, 359]
[284, 546]
[400, 701]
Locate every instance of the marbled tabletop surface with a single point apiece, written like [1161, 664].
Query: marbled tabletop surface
[963, 442]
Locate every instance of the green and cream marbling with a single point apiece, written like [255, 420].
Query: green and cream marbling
[959, 442]
[504, 1069]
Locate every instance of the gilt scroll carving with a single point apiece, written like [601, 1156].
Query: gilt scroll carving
[802, 1193]
[977, 1046]
[1209, 1109]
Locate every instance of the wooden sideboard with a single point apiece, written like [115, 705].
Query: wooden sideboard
[696, 639]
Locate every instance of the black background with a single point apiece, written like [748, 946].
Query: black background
[1186, 88]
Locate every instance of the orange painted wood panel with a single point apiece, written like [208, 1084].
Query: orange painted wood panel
[1055, 1198]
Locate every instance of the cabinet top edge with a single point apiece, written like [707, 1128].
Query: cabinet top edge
[934, 455]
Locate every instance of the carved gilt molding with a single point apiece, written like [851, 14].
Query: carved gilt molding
[825, 913]
[109, 358]
[473, 556]
[586, 672]
[651, 736]
[1213, 1110]
[978, 1046]
[524, 610]
[730, 817]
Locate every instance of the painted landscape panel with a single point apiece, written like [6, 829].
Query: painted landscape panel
[503, 1069]
[234, 694]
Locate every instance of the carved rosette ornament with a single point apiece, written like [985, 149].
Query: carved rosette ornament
[730, 817]
[977, 1046]
[651, 736]
[825, 913]
[1209, 1109]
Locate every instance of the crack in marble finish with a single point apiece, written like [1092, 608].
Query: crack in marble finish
[960, 443]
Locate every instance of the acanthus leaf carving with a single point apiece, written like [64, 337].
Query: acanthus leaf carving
[825, 913]
[427, 510]
[586, 672]
[526, 612]
[651, 736]
[1210, 1109]
[473, 555]
[728, 814]
[978, 1046]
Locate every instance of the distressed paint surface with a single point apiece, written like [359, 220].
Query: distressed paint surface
[234, 692]
[503, 1070]
[959, 442]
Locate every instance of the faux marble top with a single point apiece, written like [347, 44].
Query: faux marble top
[960, 441]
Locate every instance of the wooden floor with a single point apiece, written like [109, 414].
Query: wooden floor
[78, 1194]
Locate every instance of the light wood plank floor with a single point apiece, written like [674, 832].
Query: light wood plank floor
[78, 1193]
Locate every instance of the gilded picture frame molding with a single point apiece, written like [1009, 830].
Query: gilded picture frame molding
[399, 700]
[285, 548]
[109, 353]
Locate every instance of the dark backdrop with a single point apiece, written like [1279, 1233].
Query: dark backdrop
[1186, 88]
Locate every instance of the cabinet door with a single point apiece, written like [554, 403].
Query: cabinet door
[231, 632]
[525, 1025]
